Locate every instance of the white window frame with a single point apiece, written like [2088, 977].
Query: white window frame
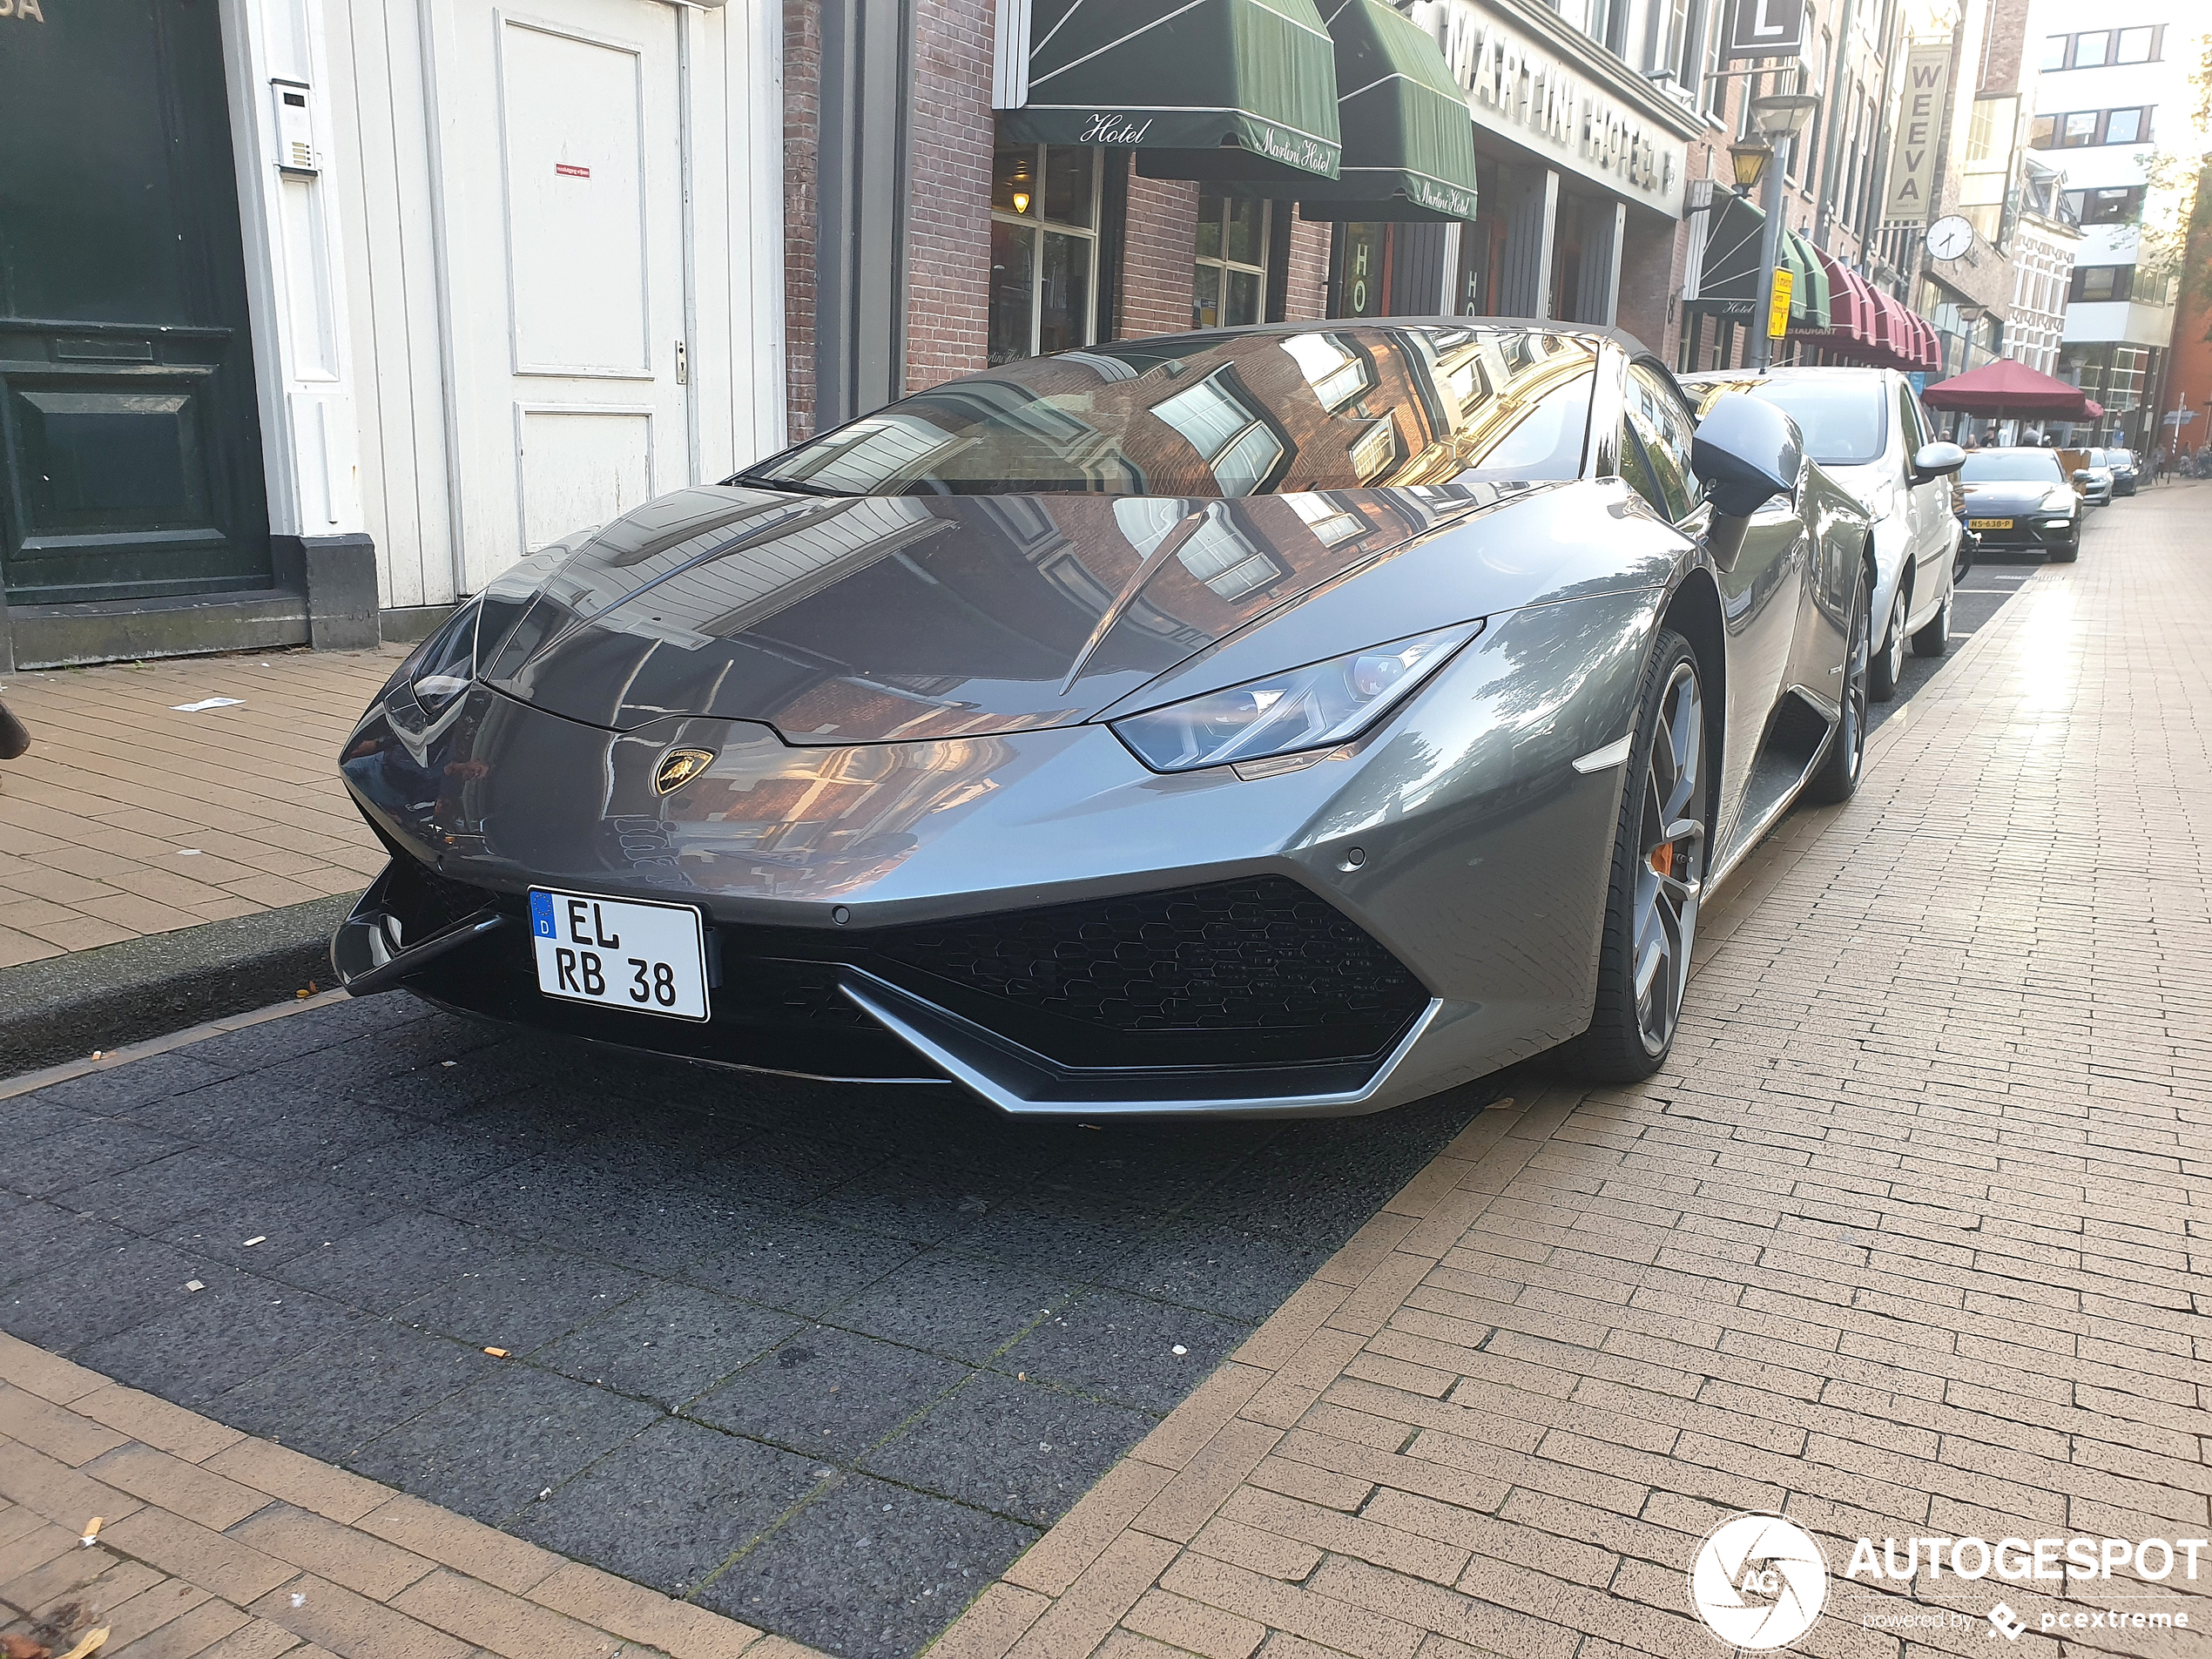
[1224, 264]
[1035, 220]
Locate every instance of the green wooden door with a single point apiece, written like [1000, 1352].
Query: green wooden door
[130, 438]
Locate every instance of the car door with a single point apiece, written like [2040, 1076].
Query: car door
[1928, 504]
[1761, 595]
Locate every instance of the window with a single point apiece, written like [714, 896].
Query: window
[2054, 52]
[1336, 373]
[1217, 420]
[2090, 50]
[1044, 250]
[1230, 288]
[2084, 127]
[1663, 430]
[2128, 126]
[2137, 46]
[2095, 282]
[2096, 48]
[2120, 205]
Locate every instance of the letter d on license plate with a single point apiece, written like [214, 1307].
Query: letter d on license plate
[620, 953]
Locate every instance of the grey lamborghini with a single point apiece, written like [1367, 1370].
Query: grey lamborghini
[1291, 719]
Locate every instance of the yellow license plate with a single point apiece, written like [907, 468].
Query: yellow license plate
[1989, 524]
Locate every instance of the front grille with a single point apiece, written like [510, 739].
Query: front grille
[1112, 980]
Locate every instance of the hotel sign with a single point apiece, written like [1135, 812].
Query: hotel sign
[1525, 90]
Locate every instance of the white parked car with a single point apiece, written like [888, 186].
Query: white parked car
[1869, 434]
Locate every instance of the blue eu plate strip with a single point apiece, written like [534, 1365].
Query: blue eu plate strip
[542, 916]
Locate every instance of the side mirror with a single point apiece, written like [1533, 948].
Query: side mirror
[1936, 461]
[1748, 452]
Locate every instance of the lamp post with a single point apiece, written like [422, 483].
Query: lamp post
[1778, 118]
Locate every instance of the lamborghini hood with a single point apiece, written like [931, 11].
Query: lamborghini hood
[880, 619]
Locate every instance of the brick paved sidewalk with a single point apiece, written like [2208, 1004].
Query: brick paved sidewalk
[214, 1544]
[1909, 1238]
[129, 818]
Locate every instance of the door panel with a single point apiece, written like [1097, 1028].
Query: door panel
[567, 266]
[1760, 598]
[130, 434]
[575, 179]
[581, 467]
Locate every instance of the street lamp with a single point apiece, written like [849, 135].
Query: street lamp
[1749, 161]
[1778, 118]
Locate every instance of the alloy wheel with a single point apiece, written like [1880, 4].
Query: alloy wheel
[1670, 872]
[1854, 699]
[1893, 647]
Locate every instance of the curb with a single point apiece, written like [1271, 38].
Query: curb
[65, 1008]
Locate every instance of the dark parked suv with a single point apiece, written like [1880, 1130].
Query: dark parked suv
[2021, 498]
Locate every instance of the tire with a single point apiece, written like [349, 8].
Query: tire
[1837, 780]
[1934, 638]
[1651, 902]
[2070, 552]
[1887, 667]
[14, 740]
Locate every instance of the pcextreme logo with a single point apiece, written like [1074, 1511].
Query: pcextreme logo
[1758, 1581]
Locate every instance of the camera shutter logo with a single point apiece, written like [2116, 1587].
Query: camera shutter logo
[1758, 1581]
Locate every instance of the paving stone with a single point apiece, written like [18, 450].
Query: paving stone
[288, 1219]
[151, 1196]
[205, 1343]
[828, 1393]
[1024, 1450]
[1122, 1347]
[1240, 1275]
[668, 1343]
[82, 1151]
[669, 1507]
[384, 1267]
[795, 1264]
[347, 1390]
[107, 1283]
[870, 1570]
[955, 1304]
[523, 1299]
[118, 1089]
[492, 1448]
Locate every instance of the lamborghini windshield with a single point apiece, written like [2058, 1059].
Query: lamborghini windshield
[1273, 412]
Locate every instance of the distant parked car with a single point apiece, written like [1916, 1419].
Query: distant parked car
[2125, 470]
[2093, 477]
[2019, 498]
[1868, 430]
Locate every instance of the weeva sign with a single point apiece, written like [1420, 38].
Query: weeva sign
[1927, 78]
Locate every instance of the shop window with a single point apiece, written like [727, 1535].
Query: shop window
[1044, 249]
[1228, 288]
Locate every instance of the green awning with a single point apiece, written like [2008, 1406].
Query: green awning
[1809, 298]
[1196, 89]
[1408, 139]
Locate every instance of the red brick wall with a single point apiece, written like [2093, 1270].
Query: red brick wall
[802, 136]
[1307, 293]
[948, 213]
[1162, 235]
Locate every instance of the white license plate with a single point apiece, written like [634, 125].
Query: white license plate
[620, 953]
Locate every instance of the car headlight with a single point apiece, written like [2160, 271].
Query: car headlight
[2058, 500]
[1314, 707]
[443, 664]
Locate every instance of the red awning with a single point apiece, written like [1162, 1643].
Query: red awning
[1931, 356]
[2007, 387]
[1851, 307]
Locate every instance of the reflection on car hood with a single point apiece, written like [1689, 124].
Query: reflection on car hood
[2008, 494]
[873, 619]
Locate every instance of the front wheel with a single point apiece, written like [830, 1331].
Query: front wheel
[1659, 850]
[1887, 667]
[2069, 552]
[1837, 779]
[1934, 638]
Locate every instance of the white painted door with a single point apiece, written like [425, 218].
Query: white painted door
[561, 157]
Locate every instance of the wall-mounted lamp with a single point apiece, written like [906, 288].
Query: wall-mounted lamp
[1750, 162]
[1020, 201]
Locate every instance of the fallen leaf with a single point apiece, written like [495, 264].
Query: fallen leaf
[23, 1647]
[92, 1640]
